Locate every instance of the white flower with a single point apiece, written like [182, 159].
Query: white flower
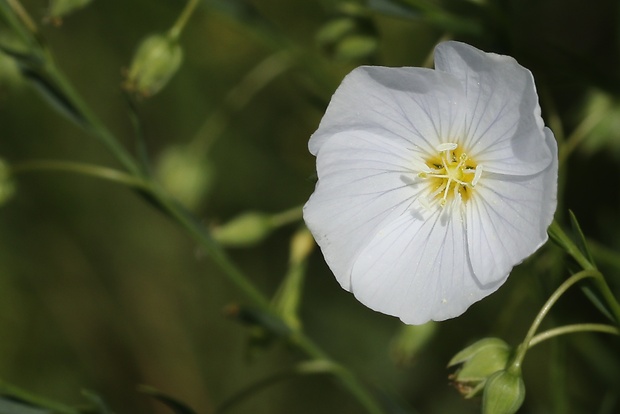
[432, 184]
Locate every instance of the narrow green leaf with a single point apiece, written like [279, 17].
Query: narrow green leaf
[175, 405]
[99, 405]
[8, 406]
[581, 238]
[303, 368]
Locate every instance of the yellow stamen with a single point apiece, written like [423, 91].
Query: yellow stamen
[452, 175]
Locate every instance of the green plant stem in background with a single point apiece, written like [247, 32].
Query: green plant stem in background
[517, 360]
[104, 173]
[303, 368]
[559, 236]
[91, 122]
[582, 130]
[287, 217]
[179, 25]
[581, 327]
[252, 83]
[65, 96]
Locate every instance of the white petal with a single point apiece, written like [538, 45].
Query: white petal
[504, 130]
[508, 217]
[416, 268]
[365, 179]
[420, 107]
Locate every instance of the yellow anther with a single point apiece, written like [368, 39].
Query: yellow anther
[451, 175]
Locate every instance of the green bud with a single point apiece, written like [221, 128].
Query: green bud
[185, 174]
[245, 230]
[10, 75]
[335, 30]
[477, 363]
[302, 245]
[504, 393]
[157, 59]
[7, 186]
[60, 8]
[356, 47]
[348, 38]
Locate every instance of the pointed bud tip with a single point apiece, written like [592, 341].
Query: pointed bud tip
[504, 393]
[157, 59]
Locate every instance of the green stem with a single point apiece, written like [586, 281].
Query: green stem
[346, 377]
[19, 10]
[213, 249]
[216, 253]
[557, 234]
[582, 130]
[286, 217]
[303, 368]
[581, 327]
[609, 297]
[251, 84]
[35, 400]
[179, 25]
[523, 348]
[104, 173]
[87, 119]
[91, 122]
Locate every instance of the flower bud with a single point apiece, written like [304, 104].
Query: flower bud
[478, 362]
[302, 245]
[348, 38]
[60, 8]
[157, 59]
[7, 186]
[245, 230]
[10, 75]
[504, 393]
[186, 174]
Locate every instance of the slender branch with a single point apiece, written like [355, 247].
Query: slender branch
[179, 25]
[285, 217]
[580, 133]
[557, 233]
[523, 348]
[563, 330]
[175, 211]
[91, 121]
[97, 171]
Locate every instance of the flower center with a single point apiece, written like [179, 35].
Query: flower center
[452, 175]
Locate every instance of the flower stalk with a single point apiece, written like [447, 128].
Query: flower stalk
[68, 98]
[561, 238]
[517, 360]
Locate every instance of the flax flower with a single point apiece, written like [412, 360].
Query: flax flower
[432, 184]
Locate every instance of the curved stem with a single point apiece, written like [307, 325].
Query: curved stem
[559, 236]
[201, 235]
[523, 348]
[580, 133]
[581, 327]
[92, 123]
[303, 368]
[179, 25]
[97, 171]
[82, 113]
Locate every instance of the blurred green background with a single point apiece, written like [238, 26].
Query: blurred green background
[100, 291]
